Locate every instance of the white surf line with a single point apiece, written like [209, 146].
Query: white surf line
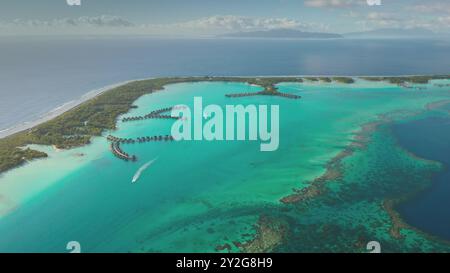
[62, 109]
[93, 93]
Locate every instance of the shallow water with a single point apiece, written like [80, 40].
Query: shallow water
[40, 74]
[199, 195]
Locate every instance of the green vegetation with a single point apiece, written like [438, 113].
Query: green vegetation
[10, 158]
[345, 80]
[410, 79]
[312, 79]
[316, 79]
[76, 127]
[328, 80]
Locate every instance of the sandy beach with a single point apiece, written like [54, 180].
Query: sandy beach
[61, 109]
[93, 93]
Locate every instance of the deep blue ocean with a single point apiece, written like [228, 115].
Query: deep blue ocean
[39, 74]
[428, 138]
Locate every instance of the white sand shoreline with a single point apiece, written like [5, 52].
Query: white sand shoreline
[60, 109]
[93, 93]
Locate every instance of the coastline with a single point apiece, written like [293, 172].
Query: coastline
[356, 140]
[74, 124]
[65, 107]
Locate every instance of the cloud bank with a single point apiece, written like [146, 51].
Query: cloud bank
[98, 21]
[333, 3]
[108, 24]
[231, 23]
[376, 20]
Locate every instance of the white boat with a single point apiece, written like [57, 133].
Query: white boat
[141, 169]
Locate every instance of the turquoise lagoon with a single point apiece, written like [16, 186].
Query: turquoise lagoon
[198, 195]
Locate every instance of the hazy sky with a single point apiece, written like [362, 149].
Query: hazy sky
[209, 17]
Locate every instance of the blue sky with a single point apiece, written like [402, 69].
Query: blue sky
[209, 17]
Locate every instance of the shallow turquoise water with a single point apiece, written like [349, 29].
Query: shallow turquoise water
[198, 195]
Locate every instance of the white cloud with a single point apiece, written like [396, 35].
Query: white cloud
[444, 21]
[333, 3]
[432, 15]
[105, 20]
[107, 24]
[432, 7]
[383, 18]
[98, 21]
[231, 22]
[375, 20]
[227, 23]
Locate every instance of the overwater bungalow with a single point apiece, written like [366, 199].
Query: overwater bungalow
[157, 114]
[118, 152]
[265, 93]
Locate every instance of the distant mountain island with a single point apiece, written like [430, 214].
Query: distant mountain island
[283, 34]
[393, 33]
[390, 33]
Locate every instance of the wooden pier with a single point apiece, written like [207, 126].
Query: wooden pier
[120, 140]
[157, 138]
[117, 141]
[264, 93]
[240, 95]
[157, 114]
[118, 152]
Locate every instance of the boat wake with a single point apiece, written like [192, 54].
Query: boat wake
[142, 169]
